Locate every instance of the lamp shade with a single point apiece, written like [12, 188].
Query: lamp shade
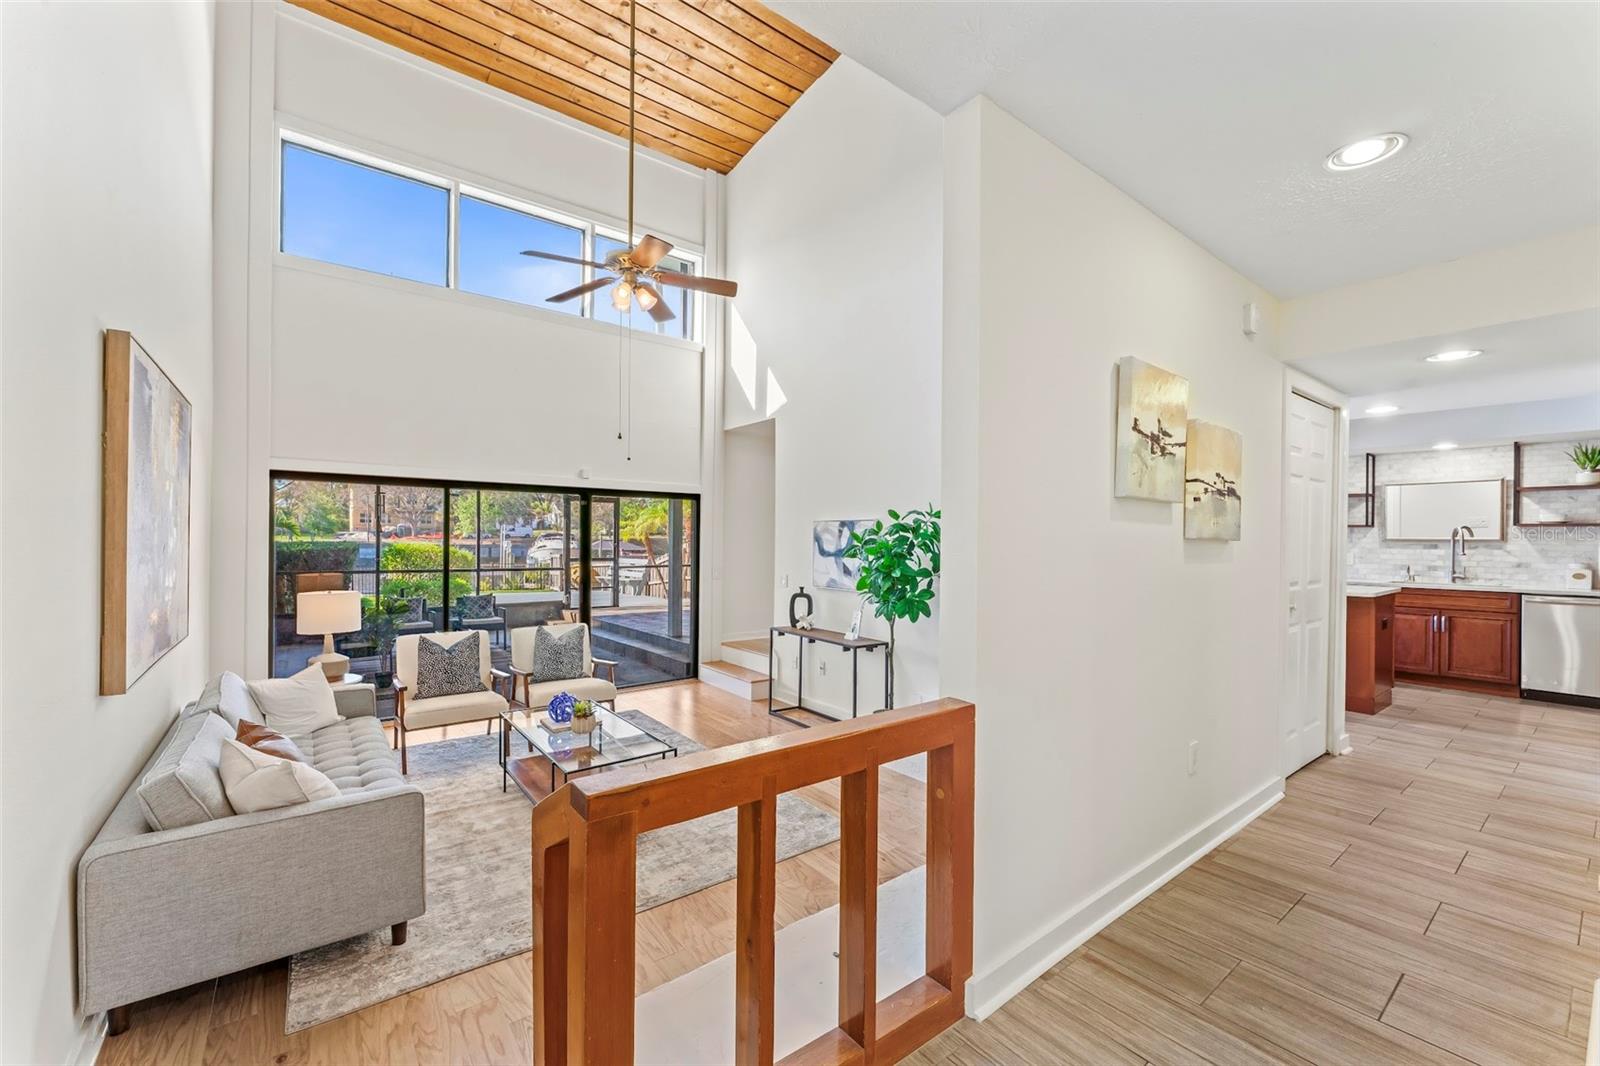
[320, 613]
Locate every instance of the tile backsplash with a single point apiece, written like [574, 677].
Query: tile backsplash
[1528, 556]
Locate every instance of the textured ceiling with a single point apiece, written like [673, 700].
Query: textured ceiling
[1217, 116]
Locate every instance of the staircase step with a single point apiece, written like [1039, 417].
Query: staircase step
[751, 654]
[739, 680]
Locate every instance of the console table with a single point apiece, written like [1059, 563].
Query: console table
[822, 636]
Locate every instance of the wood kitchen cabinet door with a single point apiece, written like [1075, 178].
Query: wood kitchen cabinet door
[1415, 650]
[1479, 647]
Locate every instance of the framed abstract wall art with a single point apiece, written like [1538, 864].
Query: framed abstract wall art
[1212, 506]
[1152, 420]
[146, 447]
[829, 568]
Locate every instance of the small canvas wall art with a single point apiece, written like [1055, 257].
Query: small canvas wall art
[1212, 506]
[1152, 416]
[829, 568]
[145, 451]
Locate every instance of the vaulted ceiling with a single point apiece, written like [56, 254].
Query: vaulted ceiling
[713, 75]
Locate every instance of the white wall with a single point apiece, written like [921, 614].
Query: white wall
[107, 223]
[748, 502]
[323, 368]
[834, 236]
[1101, 652]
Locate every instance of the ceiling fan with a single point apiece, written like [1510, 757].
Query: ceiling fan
[635, 270]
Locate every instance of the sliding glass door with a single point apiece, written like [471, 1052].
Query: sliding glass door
[439, 556]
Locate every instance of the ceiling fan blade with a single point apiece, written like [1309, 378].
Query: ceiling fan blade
[588, 286]
[563, 258]
[658, 310]
[649, 252]
[715, 286]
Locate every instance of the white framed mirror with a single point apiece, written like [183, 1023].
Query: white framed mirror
[1431, 510]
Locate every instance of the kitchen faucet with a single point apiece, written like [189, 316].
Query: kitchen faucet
[1459, 535]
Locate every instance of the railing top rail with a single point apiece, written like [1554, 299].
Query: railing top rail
[665, 793]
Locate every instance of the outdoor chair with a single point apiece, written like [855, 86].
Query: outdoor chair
[477, 612]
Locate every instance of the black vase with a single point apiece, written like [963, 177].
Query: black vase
[794, 602]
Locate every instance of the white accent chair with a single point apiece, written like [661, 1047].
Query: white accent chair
[410, 714]
[537, 694]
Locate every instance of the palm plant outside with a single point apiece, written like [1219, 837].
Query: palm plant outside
[899, 565]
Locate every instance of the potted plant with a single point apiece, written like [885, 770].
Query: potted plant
[1587, 459]
[385, 615]
[584, 719]
[899, 565]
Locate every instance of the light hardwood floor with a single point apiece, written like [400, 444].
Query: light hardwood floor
[1430, 898]
[485, 1016]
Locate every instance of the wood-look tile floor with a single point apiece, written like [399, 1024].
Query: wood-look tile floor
[486, 1015]
[1431, 897]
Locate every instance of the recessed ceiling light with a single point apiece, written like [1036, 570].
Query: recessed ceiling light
[1365, 152]
[1444, 446]
[1383, 409]
[1455, 356]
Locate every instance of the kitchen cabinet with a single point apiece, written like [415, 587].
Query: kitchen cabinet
[1465, 639]
[1368, 653]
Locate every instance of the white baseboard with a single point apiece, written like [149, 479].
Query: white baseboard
[90, 1042]
[822, 707]
[988, 991]
[1342, 745]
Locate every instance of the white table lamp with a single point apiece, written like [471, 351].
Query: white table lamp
[324, 614]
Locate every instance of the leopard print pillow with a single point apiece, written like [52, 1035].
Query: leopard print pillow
[448, 670]
[557, 656]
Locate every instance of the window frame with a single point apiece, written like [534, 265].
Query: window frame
[456, 188]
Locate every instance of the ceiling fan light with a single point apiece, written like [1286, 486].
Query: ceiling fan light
[646, 298]
[621, 295]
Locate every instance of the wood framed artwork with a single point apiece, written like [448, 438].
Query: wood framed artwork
[1212, 506]
[1152, 421]
[146, 444]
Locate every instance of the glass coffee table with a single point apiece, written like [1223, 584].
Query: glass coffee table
[614, 741]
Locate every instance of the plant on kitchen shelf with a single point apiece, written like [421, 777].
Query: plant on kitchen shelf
[899, 566]
[1586, 457]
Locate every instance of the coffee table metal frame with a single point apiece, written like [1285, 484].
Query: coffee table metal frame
[507, 723]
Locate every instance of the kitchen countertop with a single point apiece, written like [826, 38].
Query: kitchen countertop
[1355, 589]
[1369, 592]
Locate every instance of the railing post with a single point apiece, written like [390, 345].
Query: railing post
[858, 905]
[948, 931]
[753, 962]
[600, 952]
[551, 922]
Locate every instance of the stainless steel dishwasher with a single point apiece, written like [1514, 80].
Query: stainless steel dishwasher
[1561, 648]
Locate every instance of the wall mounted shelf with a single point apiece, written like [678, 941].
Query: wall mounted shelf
[1518, 488]
[1369, 511]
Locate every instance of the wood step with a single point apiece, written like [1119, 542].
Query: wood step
[758, 645]
[739, 680]
[751, 654]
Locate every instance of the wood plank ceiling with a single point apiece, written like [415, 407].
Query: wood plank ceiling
[713, 75]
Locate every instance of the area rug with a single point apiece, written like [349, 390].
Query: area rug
[480, 892]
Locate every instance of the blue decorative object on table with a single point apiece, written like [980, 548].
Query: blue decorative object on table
[561, 707]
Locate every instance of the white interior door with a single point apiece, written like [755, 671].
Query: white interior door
[1310, 502]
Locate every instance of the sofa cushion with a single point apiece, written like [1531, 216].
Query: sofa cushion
[235, 703]
[297, 705]
[184, 786]
[355, 755]
[257, 781]
[448, 669]
[585, 688]
[452, 710]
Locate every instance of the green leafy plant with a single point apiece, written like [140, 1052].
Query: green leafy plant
[1585, 456]
[583, 709]
[899, 565]
[383, 617]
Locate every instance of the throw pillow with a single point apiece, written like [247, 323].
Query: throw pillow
[256, 781]
[449, 669]
[184, 785]
[298, 705]
[266, 740]
[557, 654]
[234, 702]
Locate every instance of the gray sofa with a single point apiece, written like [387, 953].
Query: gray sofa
[159, 909]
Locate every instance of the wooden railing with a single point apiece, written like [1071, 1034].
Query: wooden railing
[584, 838]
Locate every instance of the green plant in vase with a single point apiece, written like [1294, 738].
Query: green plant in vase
[1586, 457]
[384, 615]
[899, 566]
[583, 717]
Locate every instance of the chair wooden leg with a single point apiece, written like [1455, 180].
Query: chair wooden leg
[488, 727]
[404, 769]
[397, 933]
[117, 1020]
